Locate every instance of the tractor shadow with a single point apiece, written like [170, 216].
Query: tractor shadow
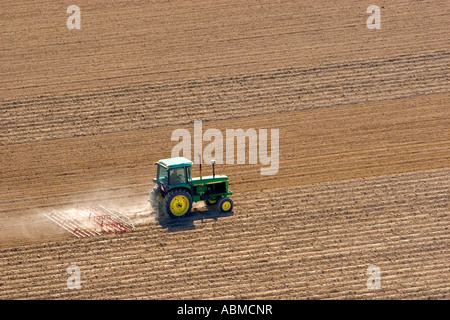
[188, 222]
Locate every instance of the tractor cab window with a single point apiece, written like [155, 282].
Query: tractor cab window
[162, 175]
[189, 174]
[177, 175]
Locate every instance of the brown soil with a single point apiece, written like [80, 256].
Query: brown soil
[364, 148]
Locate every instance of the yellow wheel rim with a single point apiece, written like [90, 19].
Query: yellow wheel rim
[179, 205]
[226, 205]
[212, 200]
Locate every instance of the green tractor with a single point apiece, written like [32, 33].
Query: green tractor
[176, 190]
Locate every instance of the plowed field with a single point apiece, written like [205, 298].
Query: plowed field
[364, 148]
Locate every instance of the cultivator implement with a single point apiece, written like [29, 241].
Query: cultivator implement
[91, 221]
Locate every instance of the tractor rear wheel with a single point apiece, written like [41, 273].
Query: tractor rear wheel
[177, 203]
[225, 205]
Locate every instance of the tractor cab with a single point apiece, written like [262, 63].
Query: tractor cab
[176, 190]
[173, 172]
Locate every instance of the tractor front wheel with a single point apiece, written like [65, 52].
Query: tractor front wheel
[225, 205]
[155, 197]
[211, 202]
[177, 203]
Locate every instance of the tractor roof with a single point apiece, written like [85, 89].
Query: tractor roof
[175, 162]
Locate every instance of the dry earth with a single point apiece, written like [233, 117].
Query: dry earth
[364, 147]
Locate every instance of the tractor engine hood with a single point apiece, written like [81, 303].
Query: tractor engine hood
[209, 179]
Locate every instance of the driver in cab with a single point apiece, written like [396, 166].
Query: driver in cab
[177, 176]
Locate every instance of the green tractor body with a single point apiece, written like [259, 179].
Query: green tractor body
[176, 190]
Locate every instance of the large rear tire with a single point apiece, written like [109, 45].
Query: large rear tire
[177, 203]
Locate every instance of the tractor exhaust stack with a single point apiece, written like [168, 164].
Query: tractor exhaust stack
[200, 158]
[213, 163]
